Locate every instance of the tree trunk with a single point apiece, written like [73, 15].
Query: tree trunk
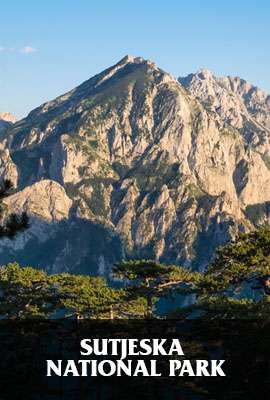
[149, 312]
[111, 313]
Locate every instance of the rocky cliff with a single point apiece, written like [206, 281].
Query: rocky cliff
[135, 163]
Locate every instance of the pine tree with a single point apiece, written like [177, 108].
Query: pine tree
[26, 292]
[86, 296]
[13, 223]
[150, 280]
[237, 283]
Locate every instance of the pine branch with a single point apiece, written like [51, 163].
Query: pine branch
[14, 224]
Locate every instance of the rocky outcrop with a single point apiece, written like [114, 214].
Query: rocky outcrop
[8, 170]
[45, 200]
[6, 120]
[167, 169]
[8, 117]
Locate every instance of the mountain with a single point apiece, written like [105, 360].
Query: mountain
[135, 163]
[237, 102]
[6, 116]
[6, 119]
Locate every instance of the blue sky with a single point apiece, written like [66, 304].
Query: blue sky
[48, 47]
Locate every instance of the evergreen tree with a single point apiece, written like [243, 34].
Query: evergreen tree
[237, 282]
[32, 293]
[25, 293]
[10, 224]
[86, 296]
[150, 280]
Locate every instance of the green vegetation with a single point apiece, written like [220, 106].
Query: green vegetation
[97, 203]
[31, 293]
[196, 120]
[155, 175]
[236, 285]
[11, 224]
[120, 169]
[114, 92]
[231, 132]
[195, 191]
[151, 280]
[266, 159]
[80, 143]
[27, 292]
[97, 200]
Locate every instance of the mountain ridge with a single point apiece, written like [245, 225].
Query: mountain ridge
[161, 168]
[6, 120]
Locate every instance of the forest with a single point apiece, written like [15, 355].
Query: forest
[235, 285]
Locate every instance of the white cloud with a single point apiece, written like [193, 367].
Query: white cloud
[28, 50]
[24, 50]
[7, 49]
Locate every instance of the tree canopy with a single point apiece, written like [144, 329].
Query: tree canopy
[32, 293]
[151, 280]
[237, 283]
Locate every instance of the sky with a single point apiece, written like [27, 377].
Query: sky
[49, 47]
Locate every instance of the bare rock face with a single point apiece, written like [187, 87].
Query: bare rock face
[152, 166]
[8, 169]
[46, 204]
[55, 240]
[45, 199]
[256, 101]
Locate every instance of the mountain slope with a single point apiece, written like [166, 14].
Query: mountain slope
[7, 168]
[160, 168]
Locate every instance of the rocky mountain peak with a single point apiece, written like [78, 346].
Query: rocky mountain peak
[256, 100]
[237, 102]
[129, 59]
[204, 74]
[149, 166]
[8, 117]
